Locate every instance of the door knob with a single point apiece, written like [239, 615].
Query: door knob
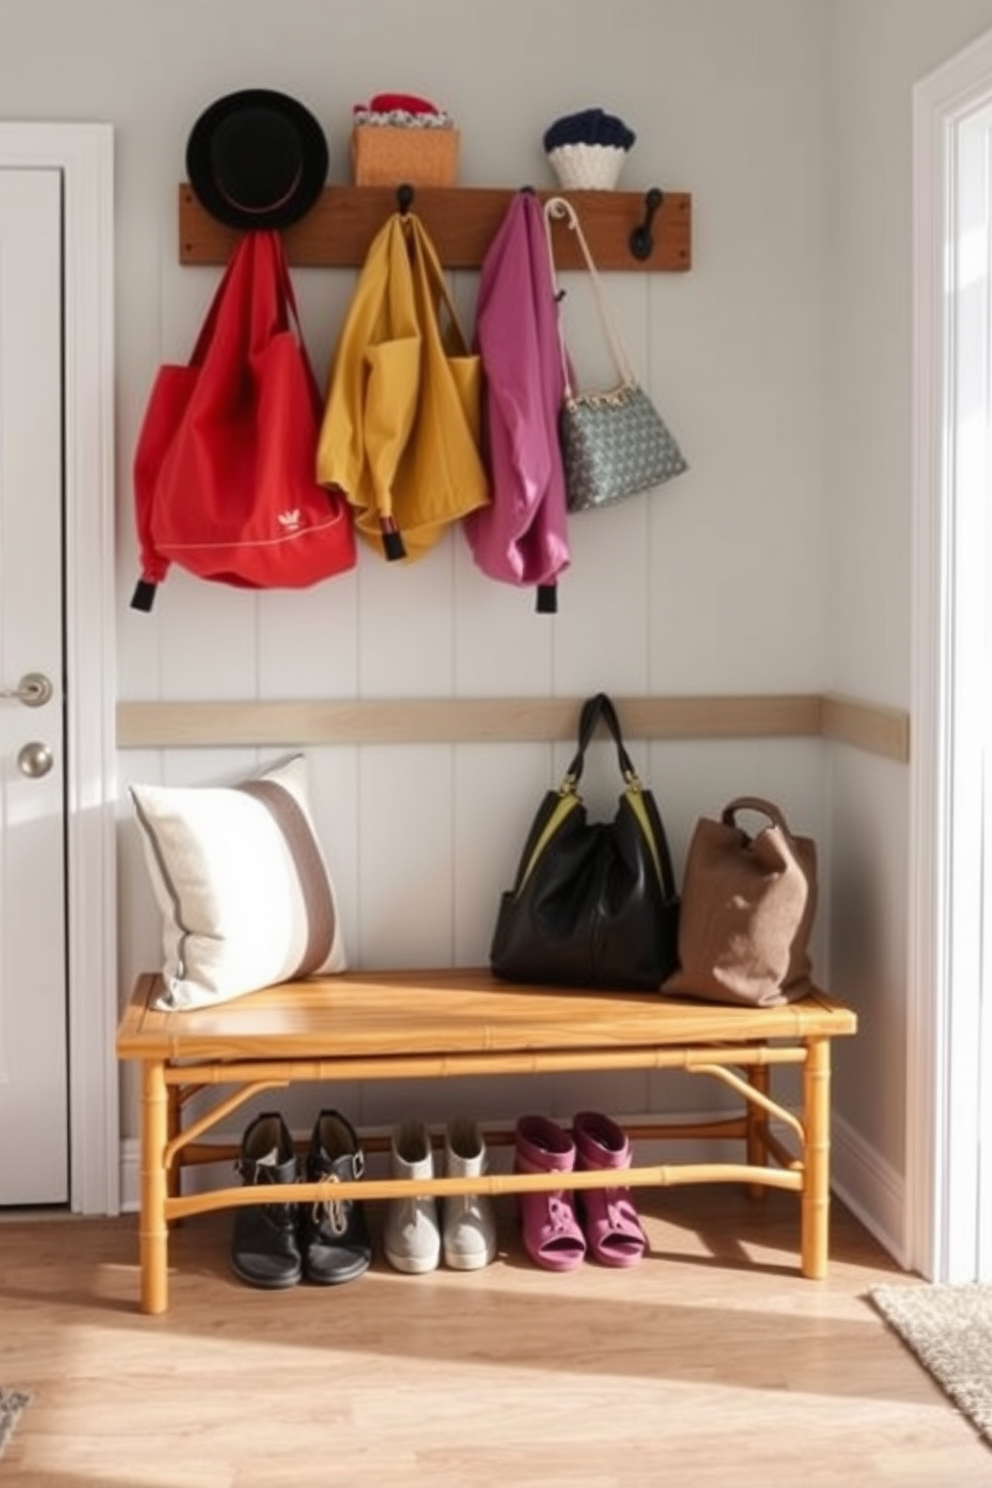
[33, 690]
[35, 759]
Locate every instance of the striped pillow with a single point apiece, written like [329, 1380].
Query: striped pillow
[242, 884]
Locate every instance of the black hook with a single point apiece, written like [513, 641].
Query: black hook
[641, 241]
[404, 198]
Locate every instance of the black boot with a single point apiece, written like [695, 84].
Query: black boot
[334, 1232]
[264, 1247]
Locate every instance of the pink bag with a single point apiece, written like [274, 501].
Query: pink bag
[521, 537]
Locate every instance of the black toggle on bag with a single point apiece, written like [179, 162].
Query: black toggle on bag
[594, 903]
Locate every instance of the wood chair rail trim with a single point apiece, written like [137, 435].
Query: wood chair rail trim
[182, 724]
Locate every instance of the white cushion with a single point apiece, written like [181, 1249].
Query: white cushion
[242, 883]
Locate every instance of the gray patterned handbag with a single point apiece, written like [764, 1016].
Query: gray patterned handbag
[614, 443]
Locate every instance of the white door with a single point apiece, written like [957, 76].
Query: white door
[34, 1138]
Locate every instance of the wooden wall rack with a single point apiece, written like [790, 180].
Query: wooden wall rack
[462, 221]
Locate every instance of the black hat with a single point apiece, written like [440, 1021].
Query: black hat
[257, 159]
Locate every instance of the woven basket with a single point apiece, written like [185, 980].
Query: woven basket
[587, 167]
[389, 155]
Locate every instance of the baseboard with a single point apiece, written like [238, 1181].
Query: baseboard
[870, 1187]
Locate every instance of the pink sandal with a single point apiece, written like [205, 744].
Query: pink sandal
[552, 1235]
[613, 1230]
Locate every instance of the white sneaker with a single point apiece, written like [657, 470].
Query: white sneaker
[411, 1236]
[469, 1223]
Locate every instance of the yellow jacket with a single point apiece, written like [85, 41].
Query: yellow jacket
[402, 424]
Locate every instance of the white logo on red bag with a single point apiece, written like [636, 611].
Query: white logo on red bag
[289, 520]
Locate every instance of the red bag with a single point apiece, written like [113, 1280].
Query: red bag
[225, 465]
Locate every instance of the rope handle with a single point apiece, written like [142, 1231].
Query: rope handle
[760, 806]
[600, 706]
[287, 314]
[243, 277]
[205, 334]
[427, 266]
[558, 207]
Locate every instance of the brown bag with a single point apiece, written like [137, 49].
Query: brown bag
[748, 905]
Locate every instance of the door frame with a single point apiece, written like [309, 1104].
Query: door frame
[948, 1084]
[83, 154]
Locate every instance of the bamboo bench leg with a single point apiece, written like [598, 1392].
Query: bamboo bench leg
[154, 1233]
[816, 1174]
[173, 1177]
[759, 1077]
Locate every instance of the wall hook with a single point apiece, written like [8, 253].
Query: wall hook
[641, 241]
[404, 198]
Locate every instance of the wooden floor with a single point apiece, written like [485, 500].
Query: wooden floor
[711, 1363]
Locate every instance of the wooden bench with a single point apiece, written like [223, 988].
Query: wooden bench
[434, 1024]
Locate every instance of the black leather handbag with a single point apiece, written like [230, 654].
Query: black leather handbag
[594, 903]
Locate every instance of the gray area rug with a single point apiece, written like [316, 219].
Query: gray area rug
[949, 1329]
[12, 1403]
